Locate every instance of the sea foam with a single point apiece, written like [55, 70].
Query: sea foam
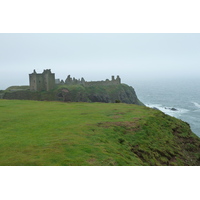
[168, 110]
[196, 104]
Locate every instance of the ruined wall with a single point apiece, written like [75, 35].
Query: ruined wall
[73, 81]
[113, 81]
[46, 81]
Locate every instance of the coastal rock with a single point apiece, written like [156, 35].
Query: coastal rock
[173, 109]
[155, 108]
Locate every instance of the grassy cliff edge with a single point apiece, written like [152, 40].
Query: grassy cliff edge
[46, 133]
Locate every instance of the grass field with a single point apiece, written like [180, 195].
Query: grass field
[55, 133]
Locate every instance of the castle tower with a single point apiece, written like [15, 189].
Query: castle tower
[33, 80]
[49, 79]
[118, 79]
[44, 81]
[68, 80]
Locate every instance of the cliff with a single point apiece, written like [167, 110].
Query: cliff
[78, 93]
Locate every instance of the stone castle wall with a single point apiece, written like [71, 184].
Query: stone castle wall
[106, 82]
[40, 82]
[46, 81]
[113, 81]
[74, 81]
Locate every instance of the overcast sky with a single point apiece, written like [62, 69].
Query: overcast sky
[133, 56]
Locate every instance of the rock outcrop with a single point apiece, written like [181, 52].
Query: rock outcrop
[78, 93]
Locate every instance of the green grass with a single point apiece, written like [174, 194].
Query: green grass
[55, 133]
[22, 87]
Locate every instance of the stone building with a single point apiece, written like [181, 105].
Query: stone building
[107, 82]
[44, 81]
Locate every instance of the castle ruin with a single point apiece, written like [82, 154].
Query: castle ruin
[46, 81]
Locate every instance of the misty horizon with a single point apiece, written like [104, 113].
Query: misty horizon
[134, 57]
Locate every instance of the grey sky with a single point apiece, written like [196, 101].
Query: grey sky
[135, 57]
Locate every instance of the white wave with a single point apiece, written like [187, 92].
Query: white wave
[168, 110]
[196, 104]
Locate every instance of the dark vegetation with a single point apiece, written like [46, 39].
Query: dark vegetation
[76, 93]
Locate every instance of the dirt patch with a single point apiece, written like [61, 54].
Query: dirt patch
[154, 157]
[189, 144]
[121, 113]
[91, 161]
[123, 126]
[118, 115]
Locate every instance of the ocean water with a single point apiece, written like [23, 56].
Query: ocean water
[183, 95]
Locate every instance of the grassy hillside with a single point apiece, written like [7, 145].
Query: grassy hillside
[76, 93]
[58, 133]
[22, 87]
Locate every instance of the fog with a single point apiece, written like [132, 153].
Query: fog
[134, 57]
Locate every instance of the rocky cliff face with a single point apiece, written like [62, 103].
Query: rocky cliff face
[77, 93]
[107, 94]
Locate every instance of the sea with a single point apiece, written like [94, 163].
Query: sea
[179, 98]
